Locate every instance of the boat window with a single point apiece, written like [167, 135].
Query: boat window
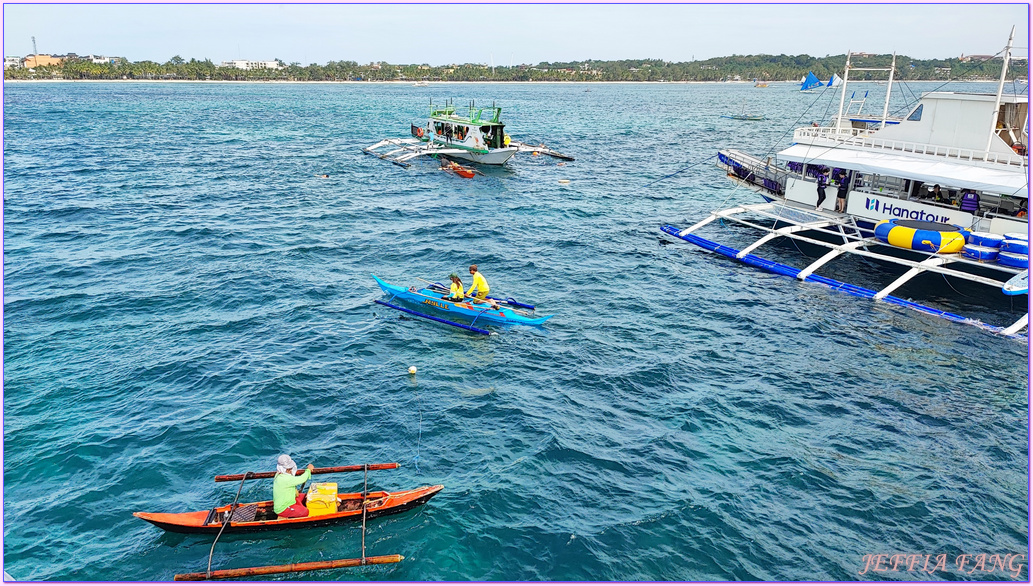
[460, 132]
[490, 140]
[917, 114]
[881, 185]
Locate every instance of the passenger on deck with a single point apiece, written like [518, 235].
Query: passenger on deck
[936, 194]
[1023, 211]
[480, 285]
[455, 292]
[822, 182]
[287, 501]
[844, 187]
[969, 202]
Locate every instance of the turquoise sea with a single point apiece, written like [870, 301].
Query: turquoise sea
[185, 297]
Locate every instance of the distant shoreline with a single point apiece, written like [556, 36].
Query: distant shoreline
[431, 83]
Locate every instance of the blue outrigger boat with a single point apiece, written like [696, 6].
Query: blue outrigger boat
[432, 296]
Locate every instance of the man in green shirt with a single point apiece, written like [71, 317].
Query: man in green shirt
[287, 501]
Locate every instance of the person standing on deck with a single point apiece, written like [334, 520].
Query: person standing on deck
[287, 501]
[822, 182]
[480, 285]
[844, 187]
[969, 202]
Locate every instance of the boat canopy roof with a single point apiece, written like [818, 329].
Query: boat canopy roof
[997, 181]
[475, 117]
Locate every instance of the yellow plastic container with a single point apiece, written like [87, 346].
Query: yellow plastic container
[322, 498]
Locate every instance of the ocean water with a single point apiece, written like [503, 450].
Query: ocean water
[185, 297]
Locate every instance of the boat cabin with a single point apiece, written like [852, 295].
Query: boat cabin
[947, 139]
[479, 131]
[962, 121]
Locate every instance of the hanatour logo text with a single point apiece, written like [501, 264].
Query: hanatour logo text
[875, 205]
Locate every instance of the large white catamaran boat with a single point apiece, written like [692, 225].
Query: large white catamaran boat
[478, 137]
[943, 190]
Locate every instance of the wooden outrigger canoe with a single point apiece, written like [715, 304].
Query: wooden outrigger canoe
[259, 516]
[454, 167]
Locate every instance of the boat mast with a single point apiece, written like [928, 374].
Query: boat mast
[889, 90]
[842, 93]
[1000, 90]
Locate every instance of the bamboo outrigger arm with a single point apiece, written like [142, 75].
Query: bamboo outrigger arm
[289, 568]
[541, 149]
[331, 470]
[1017, 326]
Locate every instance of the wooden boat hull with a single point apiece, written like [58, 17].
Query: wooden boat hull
[378, 504]
[479, 312]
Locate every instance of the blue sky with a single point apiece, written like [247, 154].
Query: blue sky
[508, 33]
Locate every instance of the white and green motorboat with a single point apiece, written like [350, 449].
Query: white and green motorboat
[478, 137]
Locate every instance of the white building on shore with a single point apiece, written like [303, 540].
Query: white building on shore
[244, 64]
[102, 60]
[12, 63]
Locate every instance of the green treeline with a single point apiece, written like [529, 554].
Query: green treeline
[748, 67]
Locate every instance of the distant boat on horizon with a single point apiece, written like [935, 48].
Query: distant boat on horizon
[810, 82]
[744, 116]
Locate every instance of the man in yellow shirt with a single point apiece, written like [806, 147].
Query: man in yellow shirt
[480, 285]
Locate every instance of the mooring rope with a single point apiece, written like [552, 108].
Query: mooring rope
[419, 437]
[679, 171]
[229, 517]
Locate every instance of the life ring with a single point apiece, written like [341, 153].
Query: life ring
[419, 132]
[985, 239]
[1015, 246]
[1008, 259]
[980, 253]
[924, 236]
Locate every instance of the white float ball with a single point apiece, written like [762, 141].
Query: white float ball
[412, 370]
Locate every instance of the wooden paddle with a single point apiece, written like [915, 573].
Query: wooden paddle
[355, 468]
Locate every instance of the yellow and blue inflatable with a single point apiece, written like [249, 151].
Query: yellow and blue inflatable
[924, 236]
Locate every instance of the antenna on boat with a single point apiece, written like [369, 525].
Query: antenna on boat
[889, 90]
[842, 92]
[1000, 90]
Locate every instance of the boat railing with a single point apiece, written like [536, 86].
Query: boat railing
[754, 171]
[856, 137]
[1011, 217]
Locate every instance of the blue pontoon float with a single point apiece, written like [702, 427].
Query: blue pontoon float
[798, 222]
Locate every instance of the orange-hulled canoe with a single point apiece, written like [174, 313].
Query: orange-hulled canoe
[259, 516]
